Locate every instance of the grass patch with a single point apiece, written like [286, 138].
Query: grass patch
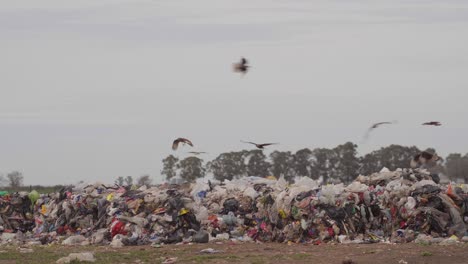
[424, 243]
[426, 254]
[257, 261]
[300, 256]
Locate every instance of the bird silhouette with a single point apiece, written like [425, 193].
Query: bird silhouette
[374, 126]
[241, 66]
[423, 158]
[432, 123]
[197, 152]
[184, 141]
[259, 146]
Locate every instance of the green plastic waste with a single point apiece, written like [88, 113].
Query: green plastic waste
[3, 193]
[33, 196]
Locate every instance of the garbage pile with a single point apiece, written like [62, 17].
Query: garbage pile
[388, 206]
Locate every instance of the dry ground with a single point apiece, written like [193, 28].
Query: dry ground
[251, 253]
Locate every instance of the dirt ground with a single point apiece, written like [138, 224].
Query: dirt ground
[250, 253]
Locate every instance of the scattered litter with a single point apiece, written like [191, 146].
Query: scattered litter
[210, 251]
[80, 257]
[74, 240]
[168, 260]
[26, 250]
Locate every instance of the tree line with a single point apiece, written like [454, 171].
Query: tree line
[13, 181]
[338, 164]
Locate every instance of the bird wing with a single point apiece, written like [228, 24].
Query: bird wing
[366, 135]
[413, 163]
[374, 126]
[188, 142]
[267, 144]
[249, 142]
[380, 123]
[196, 152]
[432, 123]
[175, 144]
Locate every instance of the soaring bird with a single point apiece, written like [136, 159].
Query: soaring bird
[423, 158]
[241, 66]
[376, 125]
[260, 146]
[197, 152]
[184, 141]
[432, 123]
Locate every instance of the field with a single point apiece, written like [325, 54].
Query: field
[250, 253]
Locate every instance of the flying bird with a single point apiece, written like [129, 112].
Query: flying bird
[376, 125]
[260, 146]
[241, 66]
[423, 158]
[184, 141]
[432, 123]
[197, 152]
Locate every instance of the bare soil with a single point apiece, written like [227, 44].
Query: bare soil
[251, 253]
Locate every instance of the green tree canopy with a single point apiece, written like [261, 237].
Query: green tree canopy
[169, 167]
[228, 165]
[191, 168]
[282, 164]
[257, 164]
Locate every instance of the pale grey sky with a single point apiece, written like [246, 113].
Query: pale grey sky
[91, 90]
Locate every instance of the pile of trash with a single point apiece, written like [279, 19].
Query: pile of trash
[388, 206]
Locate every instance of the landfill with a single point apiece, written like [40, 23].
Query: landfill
[406, 205]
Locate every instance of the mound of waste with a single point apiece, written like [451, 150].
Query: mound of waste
[388, 206]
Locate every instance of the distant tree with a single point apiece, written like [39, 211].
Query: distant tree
[120, 180]
[370, 163]
[170, 167]
[228, 165]
[457, 167]
[465, 168]
[302, 162]
[15, 179]
[257, 164]
[144, 180]
[347, 162]
[391, 157]
[191, 168]
[3, 180]
[129, 180]
[282, 164]
[322, 164]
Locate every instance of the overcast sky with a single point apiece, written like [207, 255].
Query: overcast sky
[91, 90]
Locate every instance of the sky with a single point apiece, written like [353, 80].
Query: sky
[92, 90]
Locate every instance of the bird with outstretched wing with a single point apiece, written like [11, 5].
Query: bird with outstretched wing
[376, 125]
[241, 66]
[184, 141]
[423, 158]
[259, 146]
[197, 152]
[432, 123]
